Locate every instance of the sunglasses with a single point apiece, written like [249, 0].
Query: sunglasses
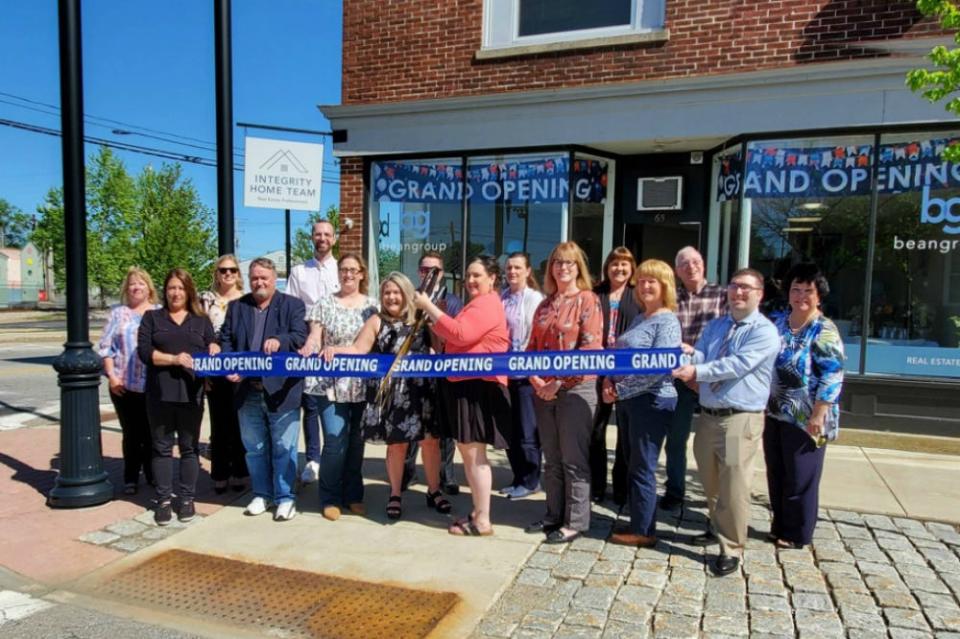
[223, 270]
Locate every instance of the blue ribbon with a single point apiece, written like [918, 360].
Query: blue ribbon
[648, 361]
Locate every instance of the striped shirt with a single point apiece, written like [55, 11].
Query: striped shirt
[119, 343]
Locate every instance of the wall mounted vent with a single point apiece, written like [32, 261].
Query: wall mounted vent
[660, 193]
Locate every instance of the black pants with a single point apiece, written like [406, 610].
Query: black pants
[598, 457]
[448, 446]
[794, 466]
[175, 422]
[524, 453]
[227, 454]
[137, 451]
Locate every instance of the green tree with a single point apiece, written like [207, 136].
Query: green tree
[111, 214]
[944, 80]
[14, 226]
[173, 227]
[49, 233]
[301, 248]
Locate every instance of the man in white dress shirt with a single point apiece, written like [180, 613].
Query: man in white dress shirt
[310, 281]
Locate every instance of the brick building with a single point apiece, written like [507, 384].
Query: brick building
[764, 133]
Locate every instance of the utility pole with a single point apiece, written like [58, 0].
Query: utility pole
[82, 480]
[223, 53]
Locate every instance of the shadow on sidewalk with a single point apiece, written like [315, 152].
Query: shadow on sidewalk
[39, 479]
[28, 409]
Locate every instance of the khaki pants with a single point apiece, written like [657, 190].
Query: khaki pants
[726, 449]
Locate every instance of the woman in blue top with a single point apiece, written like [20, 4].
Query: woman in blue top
[645, 403]
[127, 375]
[803, 412]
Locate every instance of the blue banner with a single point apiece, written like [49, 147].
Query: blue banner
[613, 362]
[547, 179]
[774, 171]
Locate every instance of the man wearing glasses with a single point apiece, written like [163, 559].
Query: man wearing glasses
[451, 305]
[733, 364]
[310, 281]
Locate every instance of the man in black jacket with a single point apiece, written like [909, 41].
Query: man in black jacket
[268, 407]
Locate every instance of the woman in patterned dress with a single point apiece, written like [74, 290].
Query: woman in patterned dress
[803, 411]
[127, 375]
[336, 320]
[409, 413]
[228, 464]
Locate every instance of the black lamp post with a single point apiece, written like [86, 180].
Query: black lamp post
[223, 68]
[82, 480]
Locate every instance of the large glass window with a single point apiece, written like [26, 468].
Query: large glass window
[592, 210]
[915, 293]
[517, 203]
[809, 200]
[416, 206]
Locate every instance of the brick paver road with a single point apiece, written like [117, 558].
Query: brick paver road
[865, 576]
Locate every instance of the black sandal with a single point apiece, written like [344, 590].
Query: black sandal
[438, 502]
[394, 511]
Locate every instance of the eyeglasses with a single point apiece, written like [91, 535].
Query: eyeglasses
[349, 271]
[223, 270]
[564, 263]
[736, 286]
[426, 269]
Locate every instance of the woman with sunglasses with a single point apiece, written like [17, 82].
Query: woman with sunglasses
[408, 414]
[569, 319]
[228, 465]
[336, 320]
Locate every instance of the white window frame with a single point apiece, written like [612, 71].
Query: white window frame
[501, 23]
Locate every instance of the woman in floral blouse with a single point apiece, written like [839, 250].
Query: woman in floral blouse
[803, 412]
[336, 320]
[568, 319]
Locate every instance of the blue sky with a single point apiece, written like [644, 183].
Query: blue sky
[150, 65]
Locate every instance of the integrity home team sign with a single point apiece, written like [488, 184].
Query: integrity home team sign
[279, 174]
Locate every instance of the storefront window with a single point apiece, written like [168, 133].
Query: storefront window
[808, 200]
[517, 203]
[591, 210]
[416, 206]
[723, 243]
[915, 293]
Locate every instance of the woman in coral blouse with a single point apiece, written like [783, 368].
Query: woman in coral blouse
[477, 409]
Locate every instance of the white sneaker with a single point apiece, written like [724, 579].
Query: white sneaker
[285, 511]
[311, 473]
[257, 506]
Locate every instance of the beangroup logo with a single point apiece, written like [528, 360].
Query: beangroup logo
[935, 210]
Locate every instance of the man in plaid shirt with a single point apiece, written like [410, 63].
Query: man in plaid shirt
[697, 303]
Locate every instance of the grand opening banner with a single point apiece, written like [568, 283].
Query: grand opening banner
[547, 179]
[774, 171]
[615, 362]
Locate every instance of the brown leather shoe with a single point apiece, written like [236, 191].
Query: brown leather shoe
[630, 539]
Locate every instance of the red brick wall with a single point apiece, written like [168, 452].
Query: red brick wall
[398, 50]
[351, 205]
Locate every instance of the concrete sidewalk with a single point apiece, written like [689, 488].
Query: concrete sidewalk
[42, 547]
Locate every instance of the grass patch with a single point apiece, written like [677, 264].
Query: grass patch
[898, 441]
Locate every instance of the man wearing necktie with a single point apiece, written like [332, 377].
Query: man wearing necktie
[733, 364]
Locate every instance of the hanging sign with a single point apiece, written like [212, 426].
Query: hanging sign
[280, 174]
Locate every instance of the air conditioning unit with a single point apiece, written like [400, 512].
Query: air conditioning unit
[660, 193]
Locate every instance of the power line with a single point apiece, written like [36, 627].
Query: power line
[135, 148]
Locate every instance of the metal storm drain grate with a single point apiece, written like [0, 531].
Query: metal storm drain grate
[293, 602]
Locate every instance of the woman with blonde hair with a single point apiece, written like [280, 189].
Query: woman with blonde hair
[336, 320]
[408, 415]
[645, 403]
[568, 319]
[228, 465]
[127, 375]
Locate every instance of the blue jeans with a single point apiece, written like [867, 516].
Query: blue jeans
[645, 426]
[677, 435]
[271, 441]
[524, 452]
[311, 426]
[341, 462]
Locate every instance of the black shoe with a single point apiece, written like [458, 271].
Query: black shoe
[186, 512]
[438, 503]
[669, 502]
[451, 489]
[597, 498]
[724, 565]
[541, 527]
[706, 539]
[163, 515]
[557, 537]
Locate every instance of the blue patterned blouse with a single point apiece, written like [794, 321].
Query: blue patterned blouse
[809, 368]
[119, 342]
